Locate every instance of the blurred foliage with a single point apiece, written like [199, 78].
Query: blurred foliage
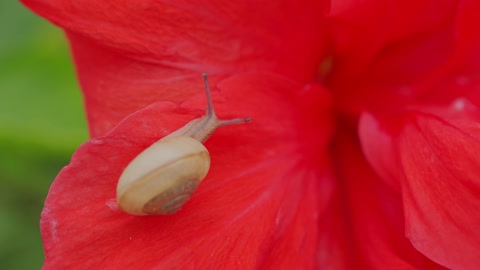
[41, 124]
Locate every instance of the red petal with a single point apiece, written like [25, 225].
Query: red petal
[382, 23]
[434, 161]
[442, 189]
[373, 215]
[385, 49]
[263, 176]
[129, 55]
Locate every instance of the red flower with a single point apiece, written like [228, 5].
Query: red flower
[361, 153]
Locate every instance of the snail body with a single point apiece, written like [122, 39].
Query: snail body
[161, 179]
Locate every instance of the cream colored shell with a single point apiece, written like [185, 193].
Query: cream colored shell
[163, 177]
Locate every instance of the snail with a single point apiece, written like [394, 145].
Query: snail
[163, 177]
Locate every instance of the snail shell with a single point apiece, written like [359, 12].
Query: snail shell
[165, 175]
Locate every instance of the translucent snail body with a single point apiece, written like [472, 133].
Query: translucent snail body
[164, 176]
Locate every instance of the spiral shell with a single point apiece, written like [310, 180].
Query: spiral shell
[163, 177]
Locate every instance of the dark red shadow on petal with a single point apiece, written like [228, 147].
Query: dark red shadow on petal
[373, 213]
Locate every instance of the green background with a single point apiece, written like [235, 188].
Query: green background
[41, 124]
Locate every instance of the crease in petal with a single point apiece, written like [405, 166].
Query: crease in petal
[375, 214]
